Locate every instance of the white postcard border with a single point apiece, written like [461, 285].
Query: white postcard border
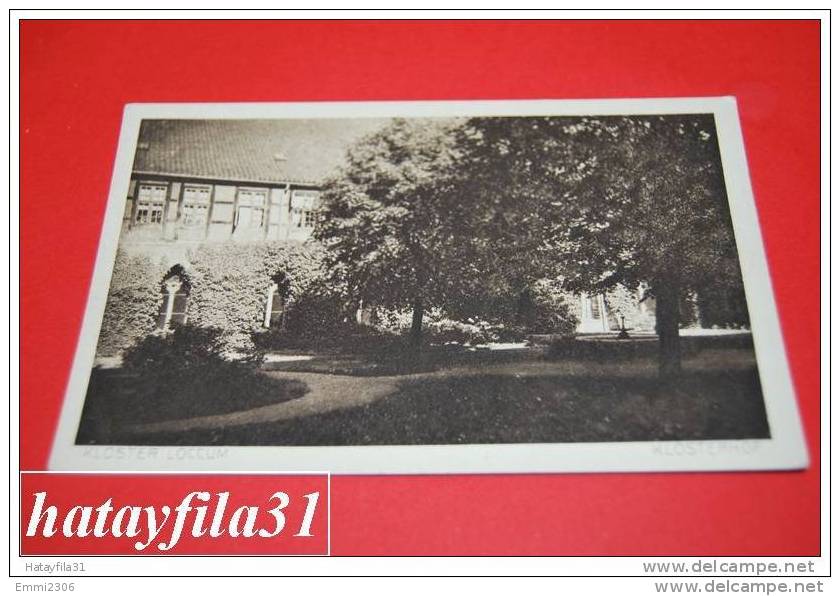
[786, 449]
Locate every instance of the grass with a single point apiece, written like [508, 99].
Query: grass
[516, 401]
[403, 359]
[116, 399]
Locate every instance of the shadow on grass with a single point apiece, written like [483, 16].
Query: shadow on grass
[397, 356]
[404, 360]
[493, 408]
[116, 398]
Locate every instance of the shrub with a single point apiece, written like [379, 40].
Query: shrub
[548, 309]
[133, 303]
[393, 320]
[723, 305]
[318, 313]
[623, 301]
[439, 328]
[465, 332]
[349, 336]
[175, 375]
[188, 359]
[543, 308]
[167, 357]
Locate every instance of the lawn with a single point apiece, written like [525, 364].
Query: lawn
[491, 399]
[116, 399]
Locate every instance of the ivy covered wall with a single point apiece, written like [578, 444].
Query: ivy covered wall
[133, 303]
[228, 289]
[229, 284]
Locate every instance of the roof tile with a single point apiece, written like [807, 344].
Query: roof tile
[303, 151]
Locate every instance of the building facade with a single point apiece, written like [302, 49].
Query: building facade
[613, 311]
[169, 213]
[199, 182]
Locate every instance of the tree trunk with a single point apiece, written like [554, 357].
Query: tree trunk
[417, 321]
[668, 329]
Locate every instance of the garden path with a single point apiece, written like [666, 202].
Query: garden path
[329, 392]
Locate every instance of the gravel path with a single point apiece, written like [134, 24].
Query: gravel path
[326, 393]
[330, 392]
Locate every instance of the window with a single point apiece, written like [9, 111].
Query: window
[196, 206]
[595, 304]
[304, 213]
[175, 292]
[275, 308]
[304, 218]
[275, 304]
[250, 210]
[150, 201]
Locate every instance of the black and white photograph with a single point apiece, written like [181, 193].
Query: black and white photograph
[531, 275]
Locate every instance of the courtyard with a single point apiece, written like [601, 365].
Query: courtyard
[443, 395]
[427, 281]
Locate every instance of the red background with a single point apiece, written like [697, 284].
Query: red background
[76, 77]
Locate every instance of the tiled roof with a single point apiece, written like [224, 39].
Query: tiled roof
[279, 151]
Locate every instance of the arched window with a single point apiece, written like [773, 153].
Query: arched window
[176, 292]
[275, 303]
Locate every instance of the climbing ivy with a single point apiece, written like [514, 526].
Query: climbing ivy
[229, 285]
[133, 303]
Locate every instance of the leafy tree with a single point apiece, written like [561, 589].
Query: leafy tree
[447, 212]
[392, 226]
[605, 201]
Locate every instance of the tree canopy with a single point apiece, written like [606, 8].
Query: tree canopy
[391, 224]
[609, 200]
[439, 211]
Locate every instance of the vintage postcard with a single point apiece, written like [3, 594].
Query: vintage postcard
[431, 287]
